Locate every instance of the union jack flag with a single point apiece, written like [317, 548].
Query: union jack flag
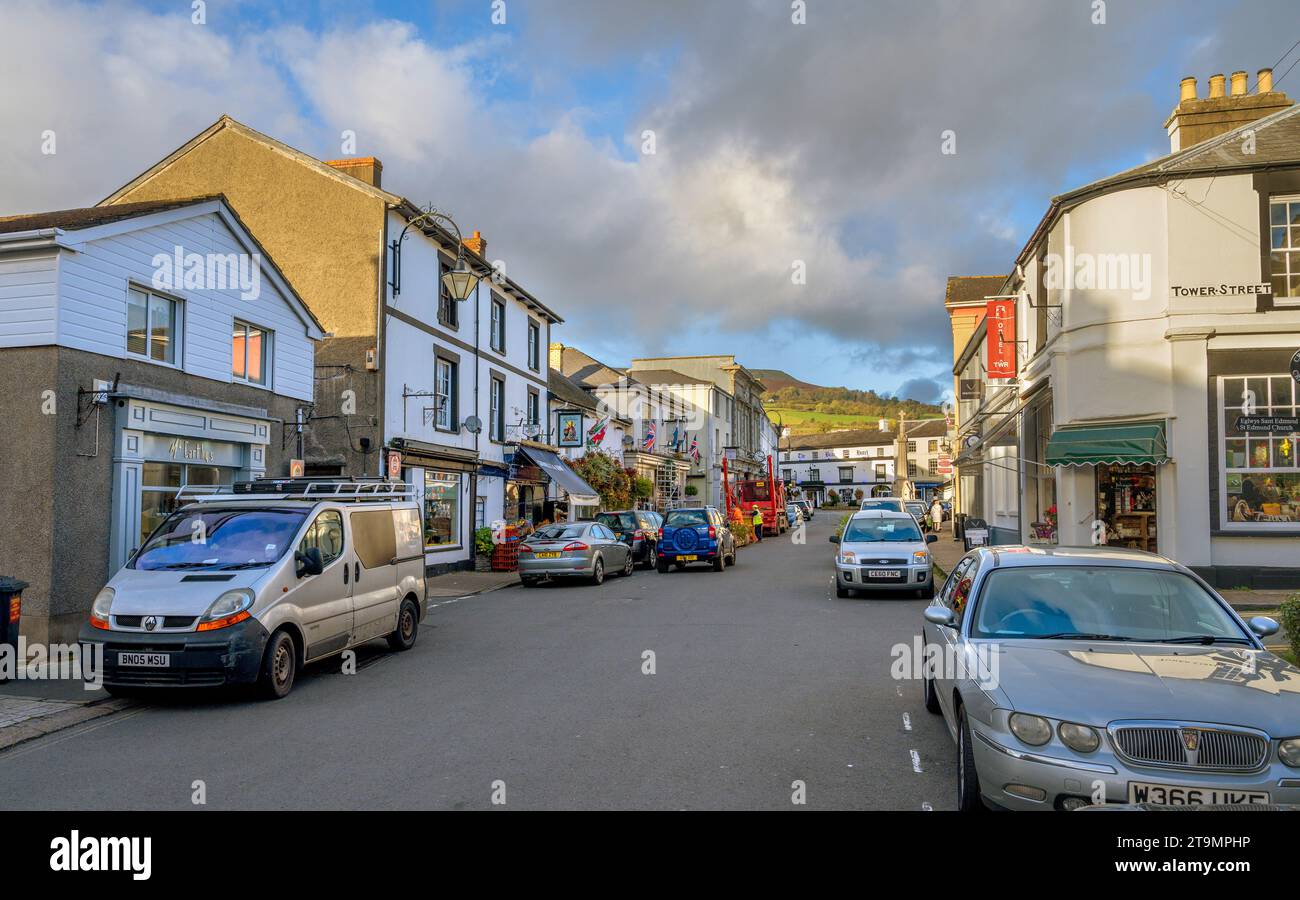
[648, 442]
[695, 449]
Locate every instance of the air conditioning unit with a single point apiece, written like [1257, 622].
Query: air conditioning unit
[372, 360]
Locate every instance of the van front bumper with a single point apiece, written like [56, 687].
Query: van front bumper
[230, 655]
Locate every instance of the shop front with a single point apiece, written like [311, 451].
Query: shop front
[163, 449]
[540, 474]
[443, 480]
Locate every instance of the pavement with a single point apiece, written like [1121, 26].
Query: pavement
[468, 584]
[746, 689]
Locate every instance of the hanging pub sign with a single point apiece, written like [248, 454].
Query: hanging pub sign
[1295, 366]
[394, 465]
[1268, 424]
[1001, 338]
[570, 425]
[968, 389]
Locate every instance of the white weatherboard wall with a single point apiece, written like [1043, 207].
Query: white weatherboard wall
[79, 299]
[29, 300]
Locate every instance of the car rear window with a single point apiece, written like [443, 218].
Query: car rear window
[687, 517]
[617, 521]
[560, 532]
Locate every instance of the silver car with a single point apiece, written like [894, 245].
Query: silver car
[579, 549]
[893, 504]
[883, 550]
[1071, 677]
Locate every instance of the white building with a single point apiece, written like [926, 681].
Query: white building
[1154, 399]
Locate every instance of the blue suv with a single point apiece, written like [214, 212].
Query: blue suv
[695, 535]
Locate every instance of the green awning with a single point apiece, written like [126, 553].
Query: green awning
[1126, 442]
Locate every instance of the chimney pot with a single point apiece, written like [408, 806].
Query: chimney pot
[1187, 89]
[1216, 86]
[1264, 81]
[1239, 81]
[477, 244]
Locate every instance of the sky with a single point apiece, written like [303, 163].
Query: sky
[674, 177]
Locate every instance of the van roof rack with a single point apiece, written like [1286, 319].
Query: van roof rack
[309, 488]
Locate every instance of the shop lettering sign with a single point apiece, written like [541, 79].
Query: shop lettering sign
[192, 451]
[1001, 338]
[1268, 424]
[1221, 290]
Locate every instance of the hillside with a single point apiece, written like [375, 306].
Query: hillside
[811, 409]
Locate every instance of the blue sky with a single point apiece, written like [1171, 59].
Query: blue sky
[776, 143]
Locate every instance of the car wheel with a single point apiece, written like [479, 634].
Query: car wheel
[680, 566]
[408, 627]
[529, 582]
[629, 566]
[968, 781]
[927, 592]
[841, 591]
[720, 562]
[279, 666]
[931, 698]
[661, 567]
[598, 571]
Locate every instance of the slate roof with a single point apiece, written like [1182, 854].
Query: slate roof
[90, 216]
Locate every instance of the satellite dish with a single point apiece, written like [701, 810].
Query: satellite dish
[473, 424]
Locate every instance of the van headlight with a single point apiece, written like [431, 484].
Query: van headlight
[1033, 730]
[229, 609]
[100, 609]
[1079, 738]
[1289, 752]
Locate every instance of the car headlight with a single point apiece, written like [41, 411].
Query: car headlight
[229, 609]
[103, 603]
[920, 557]
[1080, 738]
[1032, 730]
[848, 557]
[1289, 752]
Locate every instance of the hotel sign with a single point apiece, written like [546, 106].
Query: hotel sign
[1001, 338]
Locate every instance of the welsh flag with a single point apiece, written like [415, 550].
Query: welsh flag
[695, 449]
[596, 433]
[648, 442]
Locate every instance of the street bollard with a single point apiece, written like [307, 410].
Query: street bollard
[11, 608]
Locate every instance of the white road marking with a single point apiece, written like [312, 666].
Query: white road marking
[907, 722]
[916, 761]
[927, 807]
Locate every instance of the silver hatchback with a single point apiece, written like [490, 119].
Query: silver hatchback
[882, 550]
[578, 549]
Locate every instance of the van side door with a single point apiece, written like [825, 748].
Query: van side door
[374, 572]
[324, 601]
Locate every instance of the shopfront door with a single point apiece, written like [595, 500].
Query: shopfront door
[1126, 505]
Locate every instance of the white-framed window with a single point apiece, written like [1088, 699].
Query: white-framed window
[814, 473]
[448, 309]
[497, 410]
[1260, 486]
[153, 327]
[445, 390]
[911, 470]
[250, 354]
[534, 408]
[880, 471]
[1284, 245]
[911, 446]
[534, 346]
[497, 331]
[846, 474]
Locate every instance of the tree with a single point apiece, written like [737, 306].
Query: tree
[606, 478]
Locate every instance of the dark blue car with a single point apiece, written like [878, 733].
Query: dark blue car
[696, 535]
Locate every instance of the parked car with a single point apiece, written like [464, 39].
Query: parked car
[696, 535]
[286, 573]
[806, 508]
[883, 550]
[793, 514]
[638, 528]
[919, 512]
[577, 549]
[893, 504]
[1111, 672]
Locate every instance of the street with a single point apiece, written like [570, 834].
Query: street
[761, 679]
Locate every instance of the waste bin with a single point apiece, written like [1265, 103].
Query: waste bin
[11, 608]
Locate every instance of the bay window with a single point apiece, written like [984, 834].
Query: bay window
[1259, 419]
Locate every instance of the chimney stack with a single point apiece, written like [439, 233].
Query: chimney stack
[555, 357]
[477, 243]
[362, 168]
[1195, 120]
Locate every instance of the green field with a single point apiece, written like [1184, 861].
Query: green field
[805, 421]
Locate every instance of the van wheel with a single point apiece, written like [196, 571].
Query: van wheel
[279, 666]
[408, 626]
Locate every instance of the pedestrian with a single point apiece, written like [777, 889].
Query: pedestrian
[936, 514]
[758, 524]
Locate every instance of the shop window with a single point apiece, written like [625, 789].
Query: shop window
[160, 483]
[441, 509]
[1126, 505]
[152, 327]
[251, 354]
[1259, 417]
[1040, 479]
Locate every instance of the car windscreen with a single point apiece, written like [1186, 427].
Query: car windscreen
[199, 538]
[1119, 602]
[560, 532]
[686, 518]
[916, 509]
[618, 521]
[876, 531]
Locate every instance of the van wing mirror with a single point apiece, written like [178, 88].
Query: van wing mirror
[309, 562]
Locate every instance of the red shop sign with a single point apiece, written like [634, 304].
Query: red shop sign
[1001, 338]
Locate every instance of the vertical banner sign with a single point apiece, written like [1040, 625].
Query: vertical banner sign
[394, 465]
[1001, 338]
[297, 468]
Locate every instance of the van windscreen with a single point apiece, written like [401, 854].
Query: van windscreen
[206, 538]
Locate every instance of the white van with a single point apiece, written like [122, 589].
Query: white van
[245, 587]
